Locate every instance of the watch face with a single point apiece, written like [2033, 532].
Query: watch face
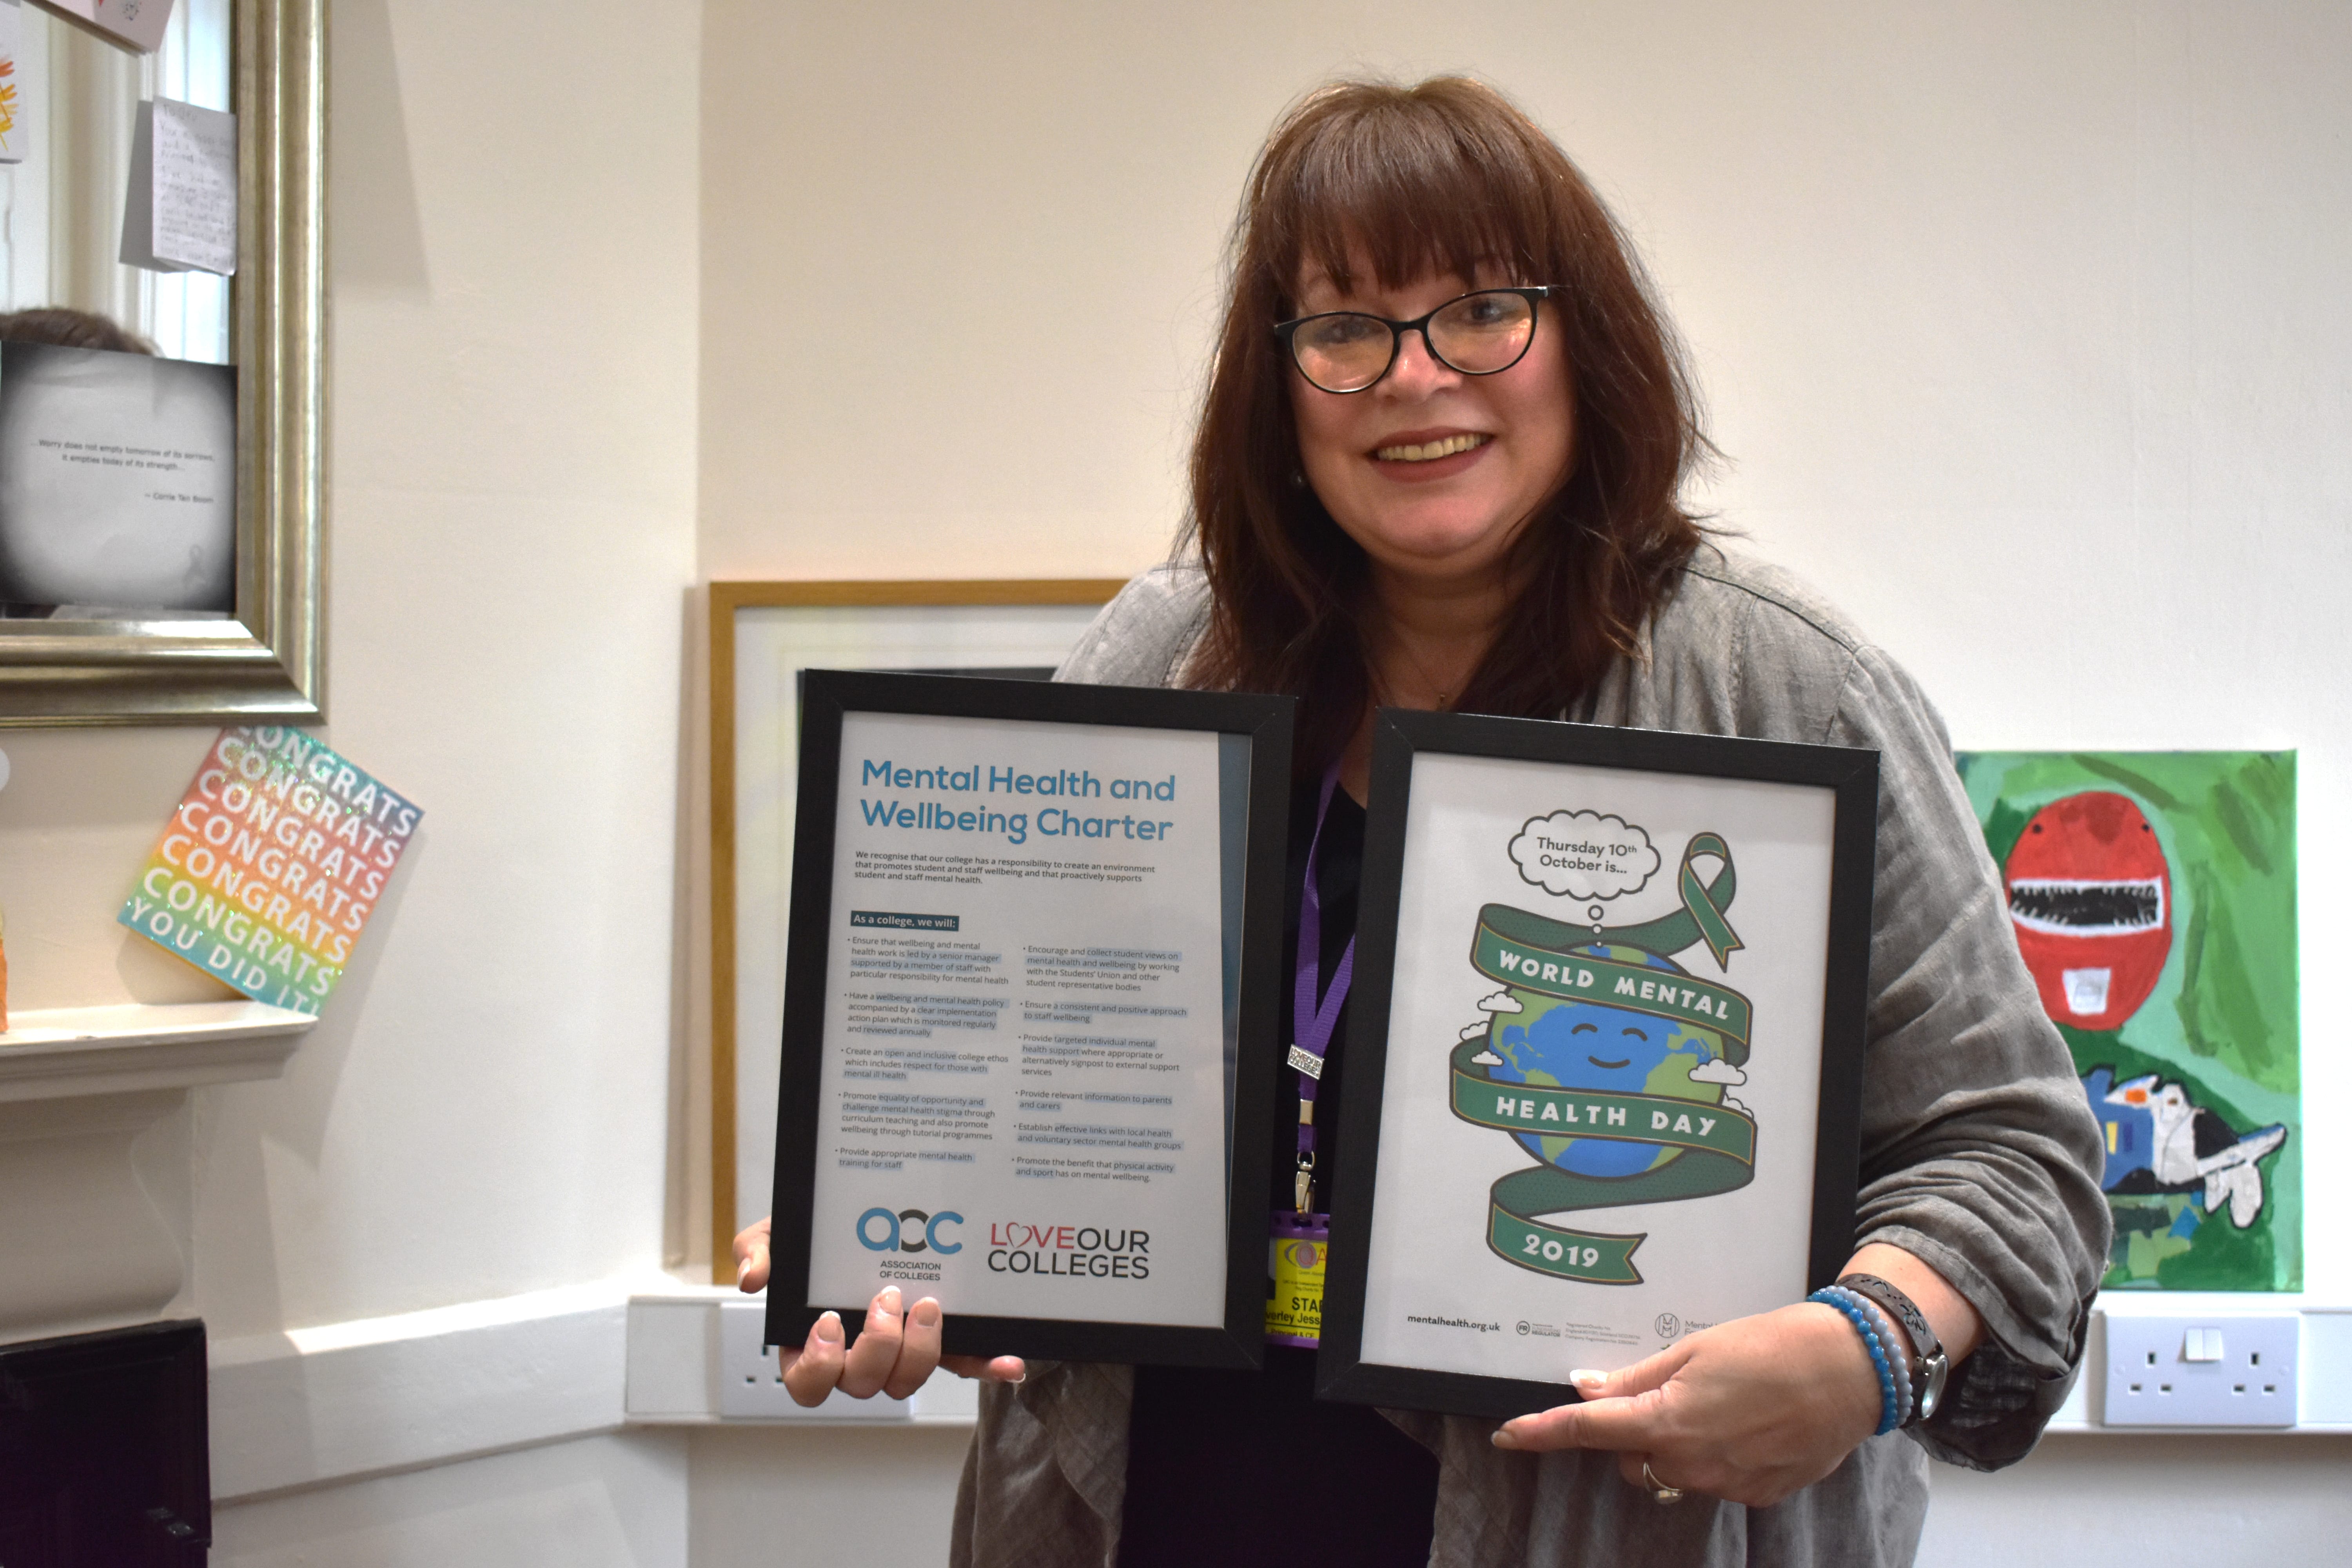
[1938, 1369]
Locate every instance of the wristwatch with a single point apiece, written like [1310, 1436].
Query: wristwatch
[1930, 1368]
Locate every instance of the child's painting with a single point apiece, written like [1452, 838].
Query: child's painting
[2152, 894]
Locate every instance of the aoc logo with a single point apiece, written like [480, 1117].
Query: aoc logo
[908, 1230]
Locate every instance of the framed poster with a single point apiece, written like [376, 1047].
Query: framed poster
[1030, 1011]
[1608, 1059]
[762, 635]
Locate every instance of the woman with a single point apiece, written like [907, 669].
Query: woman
[1438, 467]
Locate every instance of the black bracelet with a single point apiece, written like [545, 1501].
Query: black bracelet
[1930, 1368]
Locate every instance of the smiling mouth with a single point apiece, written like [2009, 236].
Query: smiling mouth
[1429, 452]
[1596, 1061]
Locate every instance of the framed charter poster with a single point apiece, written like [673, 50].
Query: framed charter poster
[1030, 1013]
[1609, 1060]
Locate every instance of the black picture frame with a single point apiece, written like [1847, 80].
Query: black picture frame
[827, 697]
[1851, 775]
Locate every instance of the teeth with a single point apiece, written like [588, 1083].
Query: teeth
[1431, 450]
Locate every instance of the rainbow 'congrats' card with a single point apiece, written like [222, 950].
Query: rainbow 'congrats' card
[266, 873]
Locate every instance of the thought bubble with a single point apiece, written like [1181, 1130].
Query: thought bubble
[1584, 855]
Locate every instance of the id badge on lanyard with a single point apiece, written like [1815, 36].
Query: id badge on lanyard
[1300, 1236]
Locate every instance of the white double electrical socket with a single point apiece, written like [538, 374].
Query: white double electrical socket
[2201, 1372]
[752, 1382]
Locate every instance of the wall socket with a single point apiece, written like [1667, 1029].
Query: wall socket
[2201, 1372]
[751, 1384]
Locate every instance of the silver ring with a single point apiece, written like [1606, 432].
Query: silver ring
[1660, 1492]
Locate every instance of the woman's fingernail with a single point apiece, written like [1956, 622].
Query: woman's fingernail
[829, 1328]
[1506, 1438]
[743, 1267]
[890, 1298]
[1587, 1378]
[927, 1313]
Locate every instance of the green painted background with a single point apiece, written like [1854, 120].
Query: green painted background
[2224, 1019]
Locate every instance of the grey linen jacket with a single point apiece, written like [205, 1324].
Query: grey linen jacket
[1979, 1153]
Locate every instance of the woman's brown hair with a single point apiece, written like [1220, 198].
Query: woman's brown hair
[1421, 180]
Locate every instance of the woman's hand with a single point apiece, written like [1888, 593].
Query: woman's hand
[894, 1355]
[1748, 1411]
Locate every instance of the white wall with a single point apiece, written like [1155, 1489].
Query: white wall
[483, 1110]
[617, 1501]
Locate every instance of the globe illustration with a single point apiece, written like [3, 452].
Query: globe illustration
[1557, 1042]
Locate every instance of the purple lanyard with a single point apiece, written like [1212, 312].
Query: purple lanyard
[1312, 1025]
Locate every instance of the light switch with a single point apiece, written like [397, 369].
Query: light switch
[2203, 1345]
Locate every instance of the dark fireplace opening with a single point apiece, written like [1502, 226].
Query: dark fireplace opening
[102, 1450]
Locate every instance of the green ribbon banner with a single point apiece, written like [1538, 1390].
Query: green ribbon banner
[1719, 1155]
[1503, 952]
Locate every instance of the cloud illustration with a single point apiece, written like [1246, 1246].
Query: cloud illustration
[1500, 1001]
[1716, 1070]
[1584, 855]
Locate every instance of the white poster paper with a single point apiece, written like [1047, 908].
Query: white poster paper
[1024, 1091]
[118, 480]
[1524, 1002]
[179, 211]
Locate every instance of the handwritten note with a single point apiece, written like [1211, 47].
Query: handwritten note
[181, 210]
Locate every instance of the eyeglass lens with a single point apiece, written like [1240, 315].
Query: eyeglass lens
[1477, 334]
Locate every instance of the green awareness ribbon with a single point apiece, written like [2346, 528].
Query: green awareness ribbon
[1530, 952]
[1719, 1155]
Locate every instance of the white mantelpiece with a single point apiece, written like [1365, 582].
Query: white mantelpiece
[94, 1173]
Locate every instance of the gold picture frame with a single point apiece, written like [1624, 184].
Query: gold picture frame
[267, 661]
[956, 617]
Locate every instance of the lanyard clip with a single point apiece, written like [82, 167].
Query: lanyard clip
[1306, 1181]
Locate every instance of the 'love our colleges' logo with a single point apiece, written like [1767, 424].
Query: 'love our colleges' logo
[908, 1230]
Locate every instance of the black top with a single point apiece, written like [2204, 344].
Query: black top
[1239, 1467]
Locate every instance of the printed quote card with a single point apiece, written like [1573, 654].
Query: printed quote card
[266, 874]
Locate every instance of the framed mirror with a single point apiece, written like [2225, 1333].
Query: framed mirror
[115, 608]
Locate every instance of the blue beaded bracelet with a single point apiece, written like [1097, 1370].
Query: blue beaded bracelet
[1890, 1408]
[1898, 1359]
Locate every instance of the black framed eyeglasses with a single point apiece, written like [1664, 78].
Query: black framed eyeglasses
[1479, 333]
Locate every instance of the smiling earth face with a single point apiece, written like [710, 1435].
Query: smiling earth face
[1433, 472]
[1583, 1044]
